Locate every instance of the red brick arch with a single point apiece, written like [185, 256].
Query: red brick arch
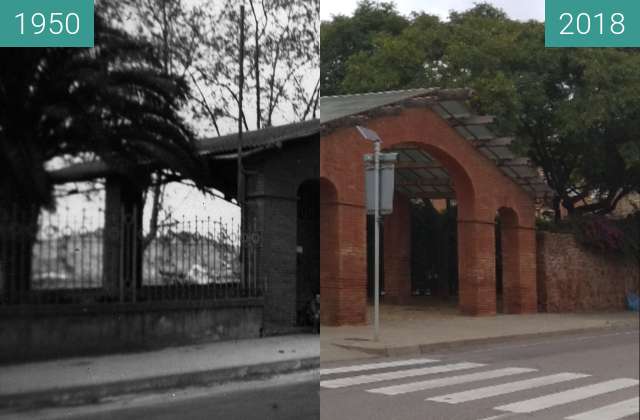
[481, 190]
[462, 182]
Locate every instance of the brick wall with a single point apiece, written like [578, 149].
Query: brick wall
[397, 252]
[573, 278]
[272, 190]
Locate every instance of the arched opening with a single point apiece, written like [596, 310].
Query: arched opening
[307, 247]
[420, 244]
[329, 253]
[507, 260]
[434, 253]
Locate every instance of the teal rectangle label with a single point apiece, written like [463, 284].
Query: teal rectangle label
[592, 23]
[46, 23]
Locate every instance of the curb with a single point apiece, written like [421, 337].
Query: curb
[452, 345]
[95, 393]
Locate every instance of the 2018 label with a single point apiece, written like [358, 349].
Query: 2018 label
[592, 23]
[582, 23]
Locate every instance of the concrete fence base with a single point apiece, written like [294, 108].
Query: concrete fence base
[45, 333]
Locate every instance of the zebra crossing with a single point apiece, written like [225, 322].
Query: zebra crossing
[426, 377]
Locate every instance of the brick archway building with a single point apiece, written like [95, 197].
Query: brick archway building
[445, 152]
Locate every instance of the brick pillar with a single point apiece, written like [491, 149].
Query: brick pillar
[397, 252]
[274, 218]
[476, 267]
[271, 212]
[343, 280]
[519, 270]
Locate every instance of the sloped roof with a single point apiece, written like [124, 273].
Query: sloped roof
[420, 175]
[252, 142]
[337, 107]
[263, 138]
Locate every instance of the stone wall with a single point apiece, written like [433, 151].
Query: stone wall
[573, 278]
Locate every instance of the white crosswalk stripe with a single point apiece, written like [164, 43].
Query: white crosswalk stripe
[507, 388]
[372, 366]
[565, 397]
[398, 374]
[405, 377]
[615, 411]
[452, 380]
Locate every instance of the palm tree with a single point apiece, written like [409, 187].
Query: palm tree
[112, 102]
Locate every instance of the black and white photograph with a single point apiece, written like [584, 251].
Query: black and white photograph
[159, 217]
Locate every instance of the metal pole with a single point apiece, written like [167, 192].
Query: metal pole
[376, 211]
[241, 186]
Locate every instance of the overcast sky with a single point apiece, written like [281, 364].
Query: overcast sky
[516, 9]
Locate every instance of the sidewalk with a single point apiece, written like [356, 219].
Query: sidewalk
[423, 328]
[91, 379]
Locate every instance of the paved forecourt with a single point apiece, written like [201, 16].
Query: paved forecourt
[574, 378]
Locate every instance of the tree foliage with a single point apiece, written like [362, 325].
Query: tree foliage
[112, 102]
[173, 30]
[575, 112]
[344, 36]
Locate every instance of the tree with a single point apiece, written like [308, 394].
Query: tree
[344, 36]
[281, 50]
[574, 112]
[173, 30]
[112, 102]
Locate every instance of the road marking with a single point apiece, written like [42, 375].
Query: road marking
[565, 397]
[397, 374]
[452, 380]
[495, 390]
[499, 416]
[611, 412]
[372, 366]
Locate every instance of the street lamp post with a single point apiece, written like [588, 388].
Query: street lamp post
[373, 137]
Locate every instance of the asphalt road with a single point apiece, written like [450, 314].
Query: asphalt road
[289, 397]
[594, 375]
[288, 402]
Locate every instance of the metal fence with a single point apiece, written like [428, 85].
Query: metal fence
[82, 258]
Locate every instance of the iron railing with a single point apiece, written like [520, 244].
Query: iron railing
[77, 258]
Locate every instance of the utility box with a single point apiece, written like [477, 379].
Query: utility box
[387, 182]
